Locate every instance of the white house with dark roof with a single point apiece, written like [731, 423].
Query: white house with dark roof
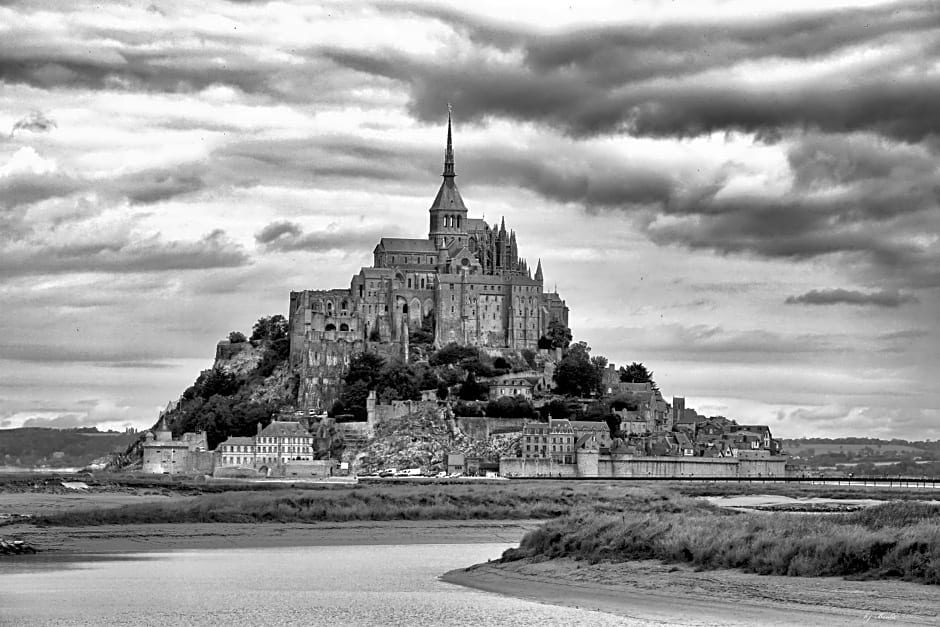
[281, 442]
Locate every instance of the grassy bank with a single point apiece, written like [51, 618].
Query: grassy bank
[401, 502]
[892, 540]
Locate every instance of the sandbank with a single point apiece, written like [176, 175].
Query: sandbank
[663, 593]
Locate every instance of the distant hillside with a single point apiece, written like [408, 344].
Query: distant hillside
[58, 448]
[875, 448]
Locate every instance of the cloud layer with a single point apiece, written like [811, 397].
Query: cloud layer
[170, 173]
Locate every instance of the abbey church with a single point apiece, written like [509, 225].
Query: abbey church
[465, 280]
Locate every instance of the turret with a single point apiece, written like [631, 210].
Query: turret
[162, 430]
[538, 272]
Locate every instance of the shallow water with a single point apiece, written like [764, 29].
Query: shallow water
[317, 585]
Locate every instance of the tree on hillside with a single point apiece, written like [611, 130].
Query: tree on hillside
[471, 390]
[237, 337]
[636, 373]
[575, 374]
[367, 367]
[624, 401]
[453, 353]
[399, 382]
[510, 407]
[353, 399]
[269, 328]
[557, 335]
[423, 335]
[216, 382]
[600, 364]
[558, 409]
[529, 355]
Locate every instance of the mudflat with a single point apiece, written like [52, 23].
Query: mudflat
[664, 593]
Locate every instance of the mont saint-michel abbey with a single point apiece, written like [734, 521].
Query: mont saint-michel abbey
[465, 279]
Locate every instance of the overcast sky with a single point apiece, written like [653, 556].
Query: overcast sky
[745, 202]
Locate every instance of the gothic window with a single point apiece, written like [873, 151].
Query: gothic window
[344, 327]
[409, 283]
[344, 305]
[329, 306]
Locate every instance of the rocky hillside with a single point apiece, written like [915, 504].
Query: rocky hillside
[423, 440]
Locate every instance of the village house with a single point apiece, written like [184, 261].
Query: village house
[554, 440]
[599, 431]
[281, 442]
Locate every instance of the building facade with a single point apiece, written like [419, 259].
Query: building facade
[466, 280]
[164, 454]
[281, 442]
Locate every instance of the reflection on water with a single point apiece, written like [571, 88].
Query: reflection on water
[335, 585]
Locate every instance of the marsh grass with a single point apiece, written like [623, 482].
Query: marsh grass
[594, 521]
[403, 502]
[892, 540]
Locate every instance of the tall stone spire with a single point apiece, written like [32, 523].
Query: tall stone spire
[449, 151]
[448, 213]
[538, 272]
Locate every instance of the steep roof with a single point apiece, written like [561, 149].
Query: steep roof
[590, 425]
[238, 441]
[448, 197]
[406, 245]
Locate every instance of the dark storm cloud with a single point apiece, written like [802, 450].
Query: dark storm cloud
[119, 254]
[152, 186]
[285, 236]
[839, 296]
[306, 160]
[594, 182]
[186, 58]
[674, 79]
[112, 356]
[27, 188]
[36, 122]
[865, 198]
[143, 187]
[277, 230]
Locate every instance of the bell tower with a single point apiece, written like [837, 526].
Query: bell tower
[448, 214]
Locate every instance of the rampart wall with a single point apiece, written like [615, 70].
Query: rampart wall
[632, 466]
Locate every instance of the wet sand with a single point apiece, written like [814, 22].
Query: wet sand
[661, 593]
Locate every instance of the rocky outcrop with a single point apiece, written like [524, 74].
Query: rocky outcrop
[15, 547]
